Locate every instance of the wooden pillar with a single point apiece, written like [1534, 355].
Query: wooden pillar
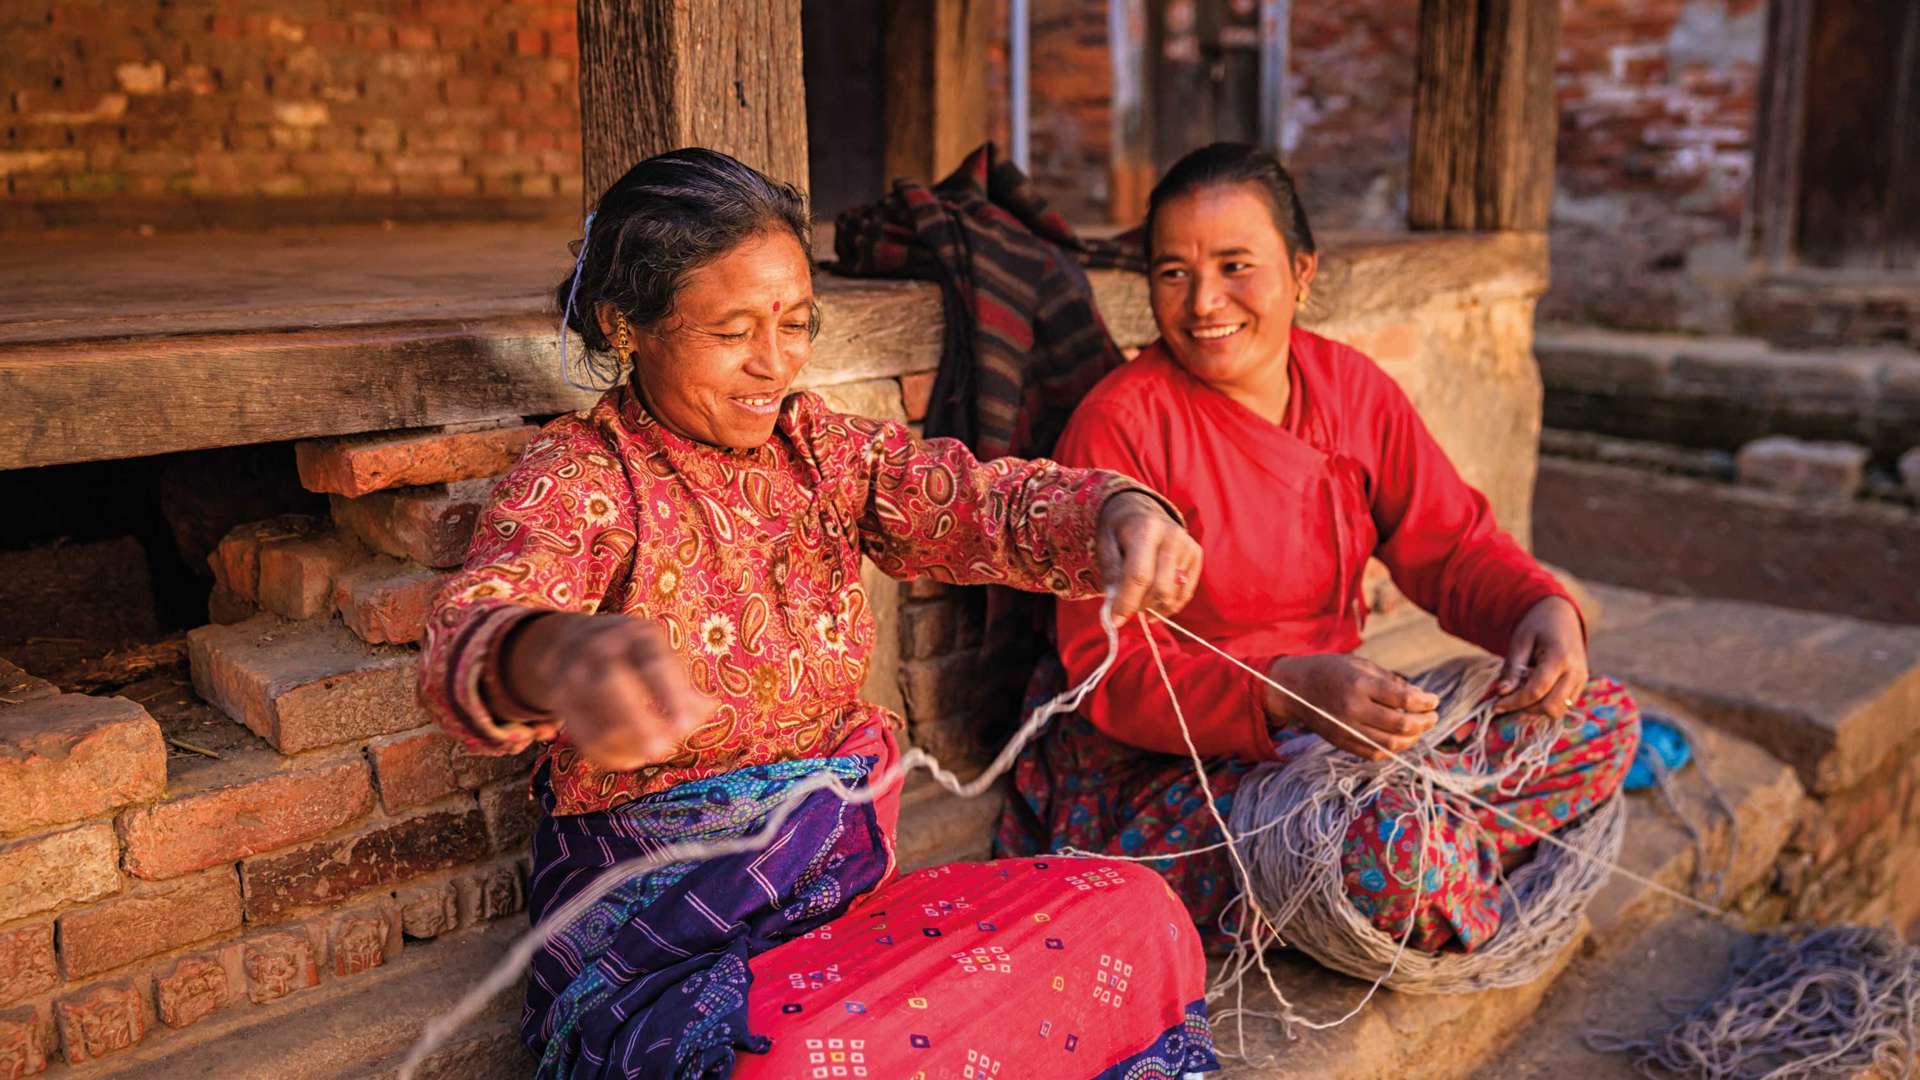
[935, 110]
[656, 75]
[1779, 135]
[1483, 115]
[1130, 161]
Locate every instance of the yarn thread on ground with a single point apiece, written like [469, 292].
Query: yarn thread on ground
[1835, 1001]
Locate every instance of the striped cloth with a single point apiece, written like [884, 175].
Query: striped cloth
[1024, 342]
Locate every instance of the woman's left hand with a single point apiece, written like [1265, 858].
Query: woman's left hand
[1546, 667]
[1146, 559]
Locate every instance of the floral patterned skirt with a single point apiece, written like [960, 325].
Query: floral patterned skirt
[1079, 788]
[1064, 968]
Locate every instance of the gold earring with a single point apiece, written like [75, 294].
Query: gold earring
[623, 339]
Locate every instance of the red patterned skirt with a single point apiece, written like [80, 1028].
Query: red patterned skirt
[1026, 967]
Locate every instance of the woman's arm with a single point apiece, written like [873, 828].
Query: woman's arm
[1444, 549]
[932, 509]
[556, 535]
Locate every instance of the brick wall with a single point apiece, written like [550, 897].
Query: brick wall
[359, 102]
[1656, 116]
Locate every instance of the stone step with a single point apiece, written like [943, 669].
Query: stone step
[1832, 696]
[1764, 796]
[1433, 1036]
[360, 1027]
[1725, 392]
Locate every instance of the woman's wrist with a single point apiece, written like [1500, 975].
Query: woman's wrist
[519, 680]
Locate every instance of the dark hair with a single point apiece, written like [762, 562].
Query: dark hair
[668, 216]
[1237, 163]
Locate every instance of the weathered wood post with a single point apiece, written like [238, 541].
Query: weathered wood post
[660, 74]
[1483, 115]
[935, 108]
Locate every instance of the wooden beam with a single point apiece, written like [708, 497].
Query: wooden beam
[935, 109]
[1483, 115]
[656, 75]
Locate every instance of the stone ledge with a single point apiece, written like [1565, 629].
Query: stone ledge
[1433, 1036]
[1766, 800]
[1829, 695]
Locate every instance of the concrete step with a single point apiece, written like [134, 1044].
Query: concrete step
[359, 1028]
[1834, 697]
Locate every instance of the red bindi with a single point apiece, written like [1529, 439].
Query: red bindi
[776, 307]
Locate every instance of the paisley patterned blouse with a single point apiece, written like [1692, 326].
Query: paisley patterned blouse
[750, 561]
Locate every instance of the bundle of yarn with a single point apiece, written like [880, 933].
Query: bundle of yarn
[1292, 820]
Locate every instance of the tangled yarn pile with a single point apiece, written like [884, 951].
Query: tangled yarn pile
[1836, 1001]
[1292, 819]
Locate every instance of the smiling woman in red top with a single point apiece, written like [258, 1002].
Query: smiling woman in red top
[1292, 459]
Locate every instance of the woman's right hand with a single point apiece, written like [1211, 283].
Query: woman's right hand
[1386, 707]
[612, 682]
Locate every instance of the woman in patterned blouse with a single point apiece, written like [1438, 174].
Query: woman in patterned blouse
[665, 592]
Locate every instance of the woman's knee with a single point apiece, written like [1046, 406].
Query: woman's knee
[1610, 730]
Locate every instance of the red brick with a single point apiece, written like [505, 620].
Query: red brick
[475, 770]
[45, 872]
[429, 912]
[928, 628]
[17, 687]
[230, 823]
[511, 813]
[276, 965]
[236, 559]
[430, 525]
[354, 467]
[414, 769]
[916, 391]
[190, 989]
[386, 601]
[304, 685]
[104, 1018]
[155, 919]
[297, 576]
[26, 964]
[492, 893]
[21, 1050]
[329, 870]
[361, 941]
[71, 757]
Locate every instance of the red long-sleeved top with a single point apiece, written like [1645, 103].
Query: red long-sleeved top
[1287, 515]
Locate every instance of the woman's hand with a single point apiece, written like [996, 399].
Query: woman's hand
[1387, 708]
[1546, 667]
[1146, 559]
[612, 682]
